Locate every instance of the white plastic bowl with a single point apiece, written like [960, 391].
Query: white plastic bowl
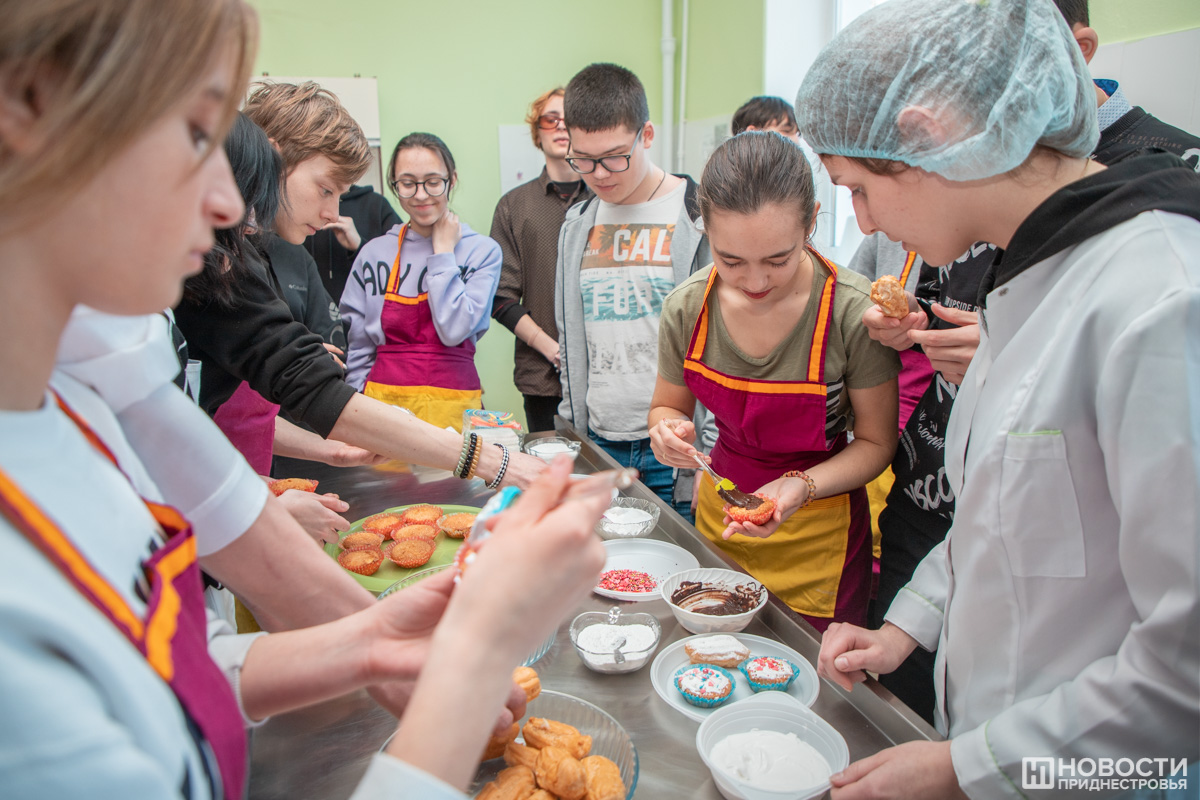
[607, 529]
[710, 623]
[548, 447]
[770, 711]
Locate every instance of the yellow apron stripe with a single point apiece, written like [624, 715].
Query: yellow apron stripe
[908, 264]
[162, 626]
[761, 387]
[71, 558]
[408, 301]
[818, 342]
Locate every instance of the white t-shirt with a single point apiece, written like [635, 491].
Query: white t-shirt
[624, 277]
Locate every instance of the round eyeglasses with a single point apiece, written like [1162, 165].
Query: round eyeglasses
[434, 187]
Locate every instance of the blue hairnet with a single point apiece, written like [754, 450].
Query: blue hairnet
[963, 88]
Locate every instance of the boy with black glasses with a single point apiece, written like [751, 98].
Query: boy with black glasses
[619, 255]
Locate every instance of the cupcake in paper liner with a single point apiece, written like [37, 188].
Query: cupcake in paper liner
[704, 685]
[768, 673]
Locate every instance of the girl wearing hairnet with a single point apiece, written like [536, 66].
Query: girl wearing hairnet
[1063, 603]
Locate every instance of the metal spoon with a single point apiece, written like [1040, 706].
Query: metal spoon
[618, 656]
[727, 491]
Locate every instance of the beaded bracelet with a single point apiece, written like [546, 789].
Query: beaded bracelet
[812, 485]
[470, 442]
[474, 465]
[495, 484]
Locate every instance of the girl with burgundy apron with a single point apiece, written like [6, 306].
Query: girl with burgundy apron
[769, 340]
[421, 295]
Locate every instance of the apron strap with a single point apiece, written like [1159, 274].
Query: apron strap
[393, 284]
[908, 265]
[816, 355]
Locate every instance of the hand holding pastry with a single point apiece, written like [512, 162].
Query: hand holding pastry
[892, 331]
[889, 295]
[950, 350]
[789, 494]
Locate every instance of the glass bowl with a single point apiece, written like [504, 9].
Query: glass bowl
[609, 739]
[548, 447]
[603, 659]
[719, 578]
[609, 528]
[416, 577]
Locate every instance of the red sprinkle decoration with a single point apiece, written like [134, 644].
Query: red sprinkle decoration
[627, 580]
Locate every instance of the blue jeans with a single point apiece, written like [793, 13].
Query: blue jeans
[658, 477]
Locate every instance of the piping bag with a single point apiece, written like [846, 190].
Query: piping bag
[607, 482]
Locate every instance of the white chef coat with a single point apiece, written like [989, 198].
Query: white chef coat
[1063, 602]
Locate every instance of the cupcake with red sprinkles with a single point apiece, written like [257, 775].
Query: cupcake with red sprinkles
[767, 673]
[704, 685]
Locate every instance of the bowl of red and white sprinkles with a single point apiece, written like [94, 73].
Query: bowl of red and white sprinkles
[636, 568]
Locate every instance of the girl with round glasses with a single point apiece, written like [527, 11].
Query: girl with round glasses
[420, 296]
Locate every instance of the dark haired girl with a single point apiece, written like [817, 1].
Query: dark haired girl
[770, 340]
[420, 296]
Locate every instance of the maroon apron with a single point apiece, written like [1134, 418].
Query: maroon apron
[172, 635]
[413, 368]
[248, 420]
[819, 560]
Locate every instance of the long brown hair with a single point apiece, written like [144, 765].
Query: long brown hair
[112, 67]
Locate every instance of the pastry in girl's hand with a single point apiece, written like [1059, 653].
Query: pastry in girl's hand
[495, 746]
[542, 733]
[415, 532]
[559, 772]
[410, 553]
[723, 650]
[889, 295]
[299, 484]
[603, 779]
[516, 754]
[514, 783]
[422, 515]
[527, 679]
[361, 540]
[383, 524]
[755, 516]
[364, 562]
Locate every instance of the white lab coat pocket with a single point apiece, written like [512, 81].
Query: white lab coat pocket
[1039, 514]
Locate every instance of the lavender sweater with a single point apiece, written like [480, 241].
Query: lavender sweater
[461, 286]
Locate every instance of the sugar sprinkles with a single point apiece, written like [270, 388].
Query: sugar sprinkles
[627, 580]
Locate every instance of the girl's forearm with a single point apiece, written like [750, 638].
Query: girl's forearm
[859, 464]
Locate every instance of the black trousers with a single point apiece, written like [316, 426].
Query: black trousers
[540, 411]
[902, 547]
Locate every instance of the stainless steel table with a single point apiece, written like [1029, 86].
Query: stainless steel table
[321, 752]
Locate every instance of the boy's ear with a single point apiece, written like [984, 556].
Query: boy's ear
[920, 128]
[1087, 39]
[647, 134]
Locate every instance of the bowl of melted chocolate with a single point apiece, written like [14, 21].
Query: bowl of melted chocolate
[713, 600]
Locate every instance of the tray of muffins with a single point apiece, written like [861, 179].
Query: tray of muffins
[699, 674]
[397, 542]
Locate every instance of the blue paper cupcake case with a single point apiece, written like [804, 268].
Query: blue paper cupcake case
[767, 687]
[703, 702]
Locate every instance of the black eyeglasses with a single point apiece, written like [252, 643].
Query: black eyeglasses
[586, 166]
[549, 122]
[434, 187]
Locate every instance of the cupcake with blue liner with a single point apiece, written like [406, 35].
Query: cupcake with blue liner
[704, 685]
[768, 673]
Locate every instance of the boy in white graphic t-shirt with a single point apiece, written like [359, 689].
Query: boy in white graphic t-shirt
[620, 253]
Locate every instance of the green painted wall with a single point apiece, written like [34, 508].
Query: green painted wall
[459, 68]
[1125, 20]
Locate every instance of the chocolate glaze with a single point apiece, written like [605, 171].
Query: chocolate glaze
[709, 598]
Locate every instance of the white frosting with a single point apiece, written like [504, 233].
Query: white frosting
[723, 645]
[704, 682]
[627, 516]
[549, 450]
[771, 760]
[600, 641]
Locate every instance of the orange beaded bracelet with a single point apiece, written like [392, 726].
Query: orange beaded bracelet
[812, 485]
